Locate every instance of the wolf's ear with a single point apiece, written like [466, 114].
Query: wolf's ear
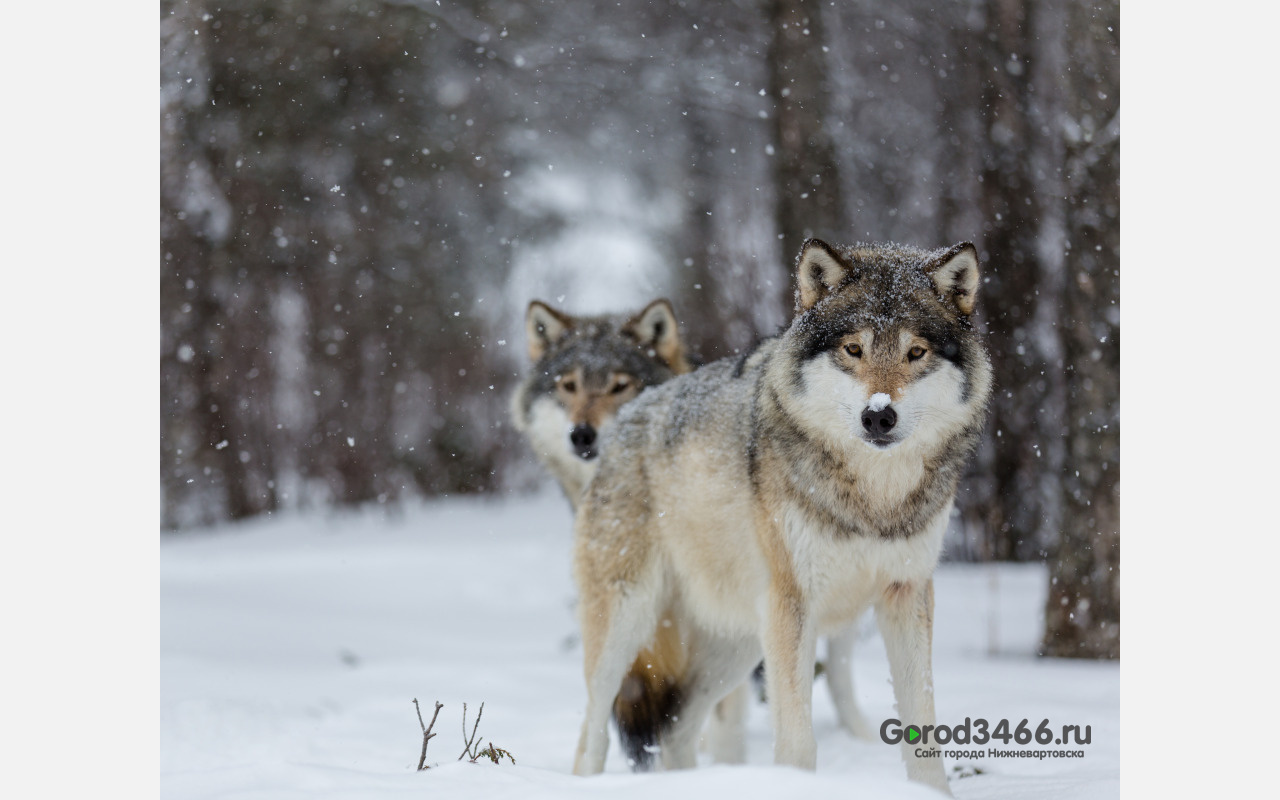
[656, 328]
[955, 276]
[544, 326]
[818, 271]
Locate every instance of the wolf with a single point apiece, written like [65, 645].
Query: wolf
[584, 369]
[762, 501]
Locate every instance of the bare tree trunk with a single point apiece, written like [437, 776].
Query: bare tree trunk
[1082, 618]
[809, 202]
[704, 329]
[1011, 209]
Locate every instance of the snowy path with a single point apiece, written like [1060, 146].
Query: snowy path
[291, 650]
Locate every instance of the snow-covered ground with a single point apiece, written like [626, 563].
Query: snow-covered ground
[291, 651]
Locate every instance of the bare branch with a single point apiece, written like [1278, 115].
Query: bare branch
[426, 732]
[467, 751]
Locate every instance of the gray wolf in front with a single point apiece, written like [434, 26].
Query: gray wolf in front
[584, 370]
[766, 500]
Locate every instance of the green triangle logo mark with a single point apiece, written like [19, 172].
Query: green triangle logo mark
[912, 734]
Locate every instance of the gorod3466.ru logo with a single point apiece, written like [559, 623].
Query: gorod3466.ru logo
[977, 731]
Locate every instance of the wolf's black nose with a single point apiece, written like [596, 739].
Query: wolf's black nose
[878, 423]
[583, 439]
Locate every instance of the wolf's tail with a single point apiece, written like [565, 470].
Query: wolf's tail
[649, 698]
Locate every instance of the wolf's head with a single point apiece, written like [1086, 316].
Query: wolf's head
[882, 340]
[586, 368]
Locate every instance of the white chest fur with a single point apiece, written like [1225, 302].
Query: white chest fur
[548, 431]
[842, 575]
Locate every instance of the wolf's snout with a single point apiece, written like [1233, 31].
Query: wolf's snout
[583, 439]
[879, 423]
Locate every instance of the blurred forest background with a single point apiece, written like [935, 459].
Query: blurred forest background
[358, 200]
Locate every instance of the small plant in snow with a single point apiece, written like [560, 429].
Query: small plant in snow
[472, 744]
[494, 754]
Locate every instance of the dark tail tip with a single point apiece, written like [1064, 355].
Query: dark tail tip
[643, 711]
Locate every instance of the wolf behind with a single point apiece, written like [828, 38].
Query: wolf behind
[766, 500]
[584, 369]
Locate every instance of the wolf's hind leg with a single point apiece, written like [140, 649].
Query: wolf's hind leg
[615, 627]
[727, 728]
[839, 674]
[905, 615]
[718, 667]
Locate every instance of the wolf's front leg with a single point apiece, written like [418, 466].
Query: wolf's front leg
[905, 615]
[790, 646]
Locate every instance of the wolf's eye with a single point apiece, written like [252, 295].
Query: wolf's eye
[620, 386]
[915, 353]
[569, 386]
[854, 350]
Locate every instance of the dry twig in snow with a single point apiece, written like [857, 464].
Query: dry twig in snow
[426, 732]
[471, 741]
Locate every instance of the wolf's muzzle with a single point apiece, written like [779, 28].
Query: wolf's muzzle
[879, 424]
[583, 439]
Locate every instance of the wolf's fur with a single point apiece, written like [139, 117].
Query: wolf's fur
[584, 369]
[765, 500]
